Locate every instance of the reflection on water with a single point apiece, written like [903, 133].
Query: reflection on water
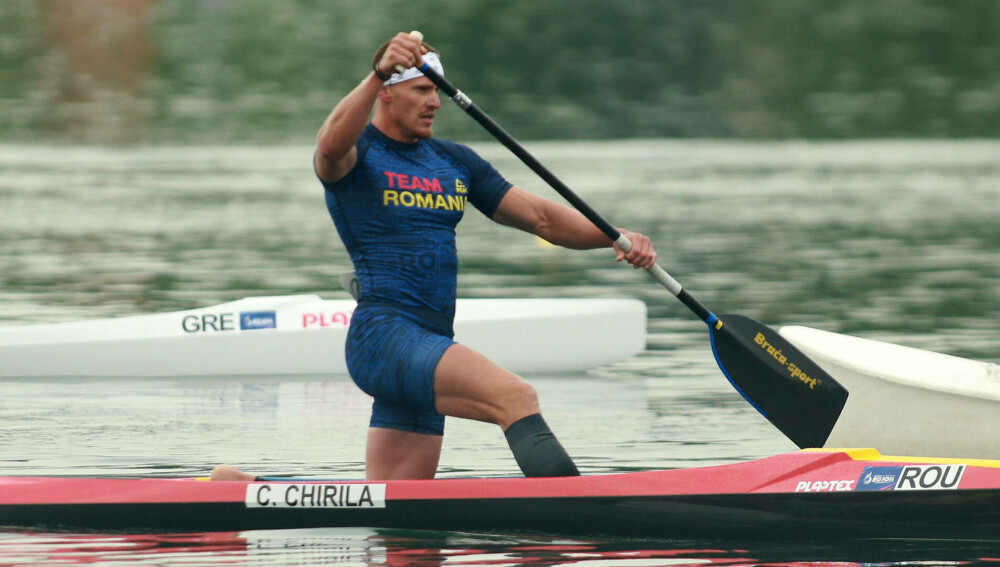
[896, 241]
[427, 549]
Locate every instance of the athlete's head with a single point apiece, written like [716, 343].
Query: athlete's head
[432, 57]
[409, 101]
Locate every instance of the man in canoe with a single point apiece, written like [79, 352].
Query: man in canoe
[396, 194]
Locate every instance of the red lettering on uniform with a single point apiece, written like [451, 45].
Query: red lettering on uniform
[392, 178]
[403, 181]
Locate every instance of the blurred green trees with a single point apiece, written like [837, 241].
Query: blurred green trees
[270, 71]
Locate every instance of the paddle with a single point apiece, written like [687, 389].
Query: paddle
[782, 383]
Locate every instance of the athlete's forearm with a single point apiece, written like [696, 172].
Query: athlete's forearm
[555, 222]
[573, 230]
[567, 227]
[560, 224]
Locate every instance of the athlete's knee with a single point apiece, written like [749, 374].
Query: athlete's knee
[521, 393]
[519, 400]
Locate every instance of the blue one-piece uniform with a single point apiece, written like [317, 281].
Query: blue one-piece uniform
[396, 213]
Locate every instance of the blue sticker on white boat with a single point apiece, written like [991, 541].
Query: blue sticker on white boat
[314, 495]
[250, 320]
[912, 477]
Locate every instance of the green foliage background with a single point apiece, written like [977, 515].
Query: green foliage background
[269, 71]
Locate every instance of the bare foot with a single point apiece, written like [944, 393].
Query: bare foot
[227, 472]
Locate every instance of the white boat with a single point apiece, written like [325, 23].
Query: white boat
[906, 400]
[304, 334]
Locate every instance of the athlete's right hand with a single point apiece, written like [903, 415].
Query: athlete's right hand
[404, 50]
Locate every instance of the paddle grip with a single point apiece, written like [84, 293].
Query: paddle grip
[658, 273]
[420, 37]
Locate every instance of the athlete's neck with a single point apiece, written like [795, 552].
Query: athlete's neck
[393, 131]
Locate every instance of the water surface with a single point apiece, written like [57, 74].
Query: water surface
[890, 240]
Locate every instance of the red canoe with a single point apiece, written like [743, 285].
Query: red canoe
[813, 494]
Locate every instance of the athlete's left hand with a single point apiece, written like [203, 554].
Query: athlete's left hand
[642, 254]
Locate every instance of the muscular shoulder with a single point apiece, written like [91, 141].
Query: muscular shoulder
[487, 186]
[334, 175]
[461, 153]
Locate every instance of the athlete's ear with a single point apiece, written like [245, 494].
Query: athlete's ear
[385, 95]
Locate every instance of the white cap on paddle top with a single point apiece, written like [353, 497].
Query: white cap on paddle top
[420, 38]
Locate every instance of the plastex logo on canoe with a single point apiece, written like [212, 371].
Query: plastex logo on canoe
[824, 486]
[314, 495]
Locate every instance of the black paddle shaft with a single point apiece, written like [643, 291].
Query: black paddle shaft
[462, 100]
[782, 383]
[506, 139]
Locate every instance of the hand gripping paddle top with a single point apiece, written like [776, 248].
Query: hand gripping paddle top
[781, 382]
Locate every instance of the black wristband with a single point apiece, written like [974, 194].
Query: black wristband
[378, 72]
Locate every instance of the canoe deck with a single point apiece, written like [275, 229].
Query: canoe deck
[801, 495]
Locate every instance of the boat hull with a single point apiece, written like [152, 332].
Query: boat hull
[905, 400]
[292, 335]
[772, 517]
[803, 495]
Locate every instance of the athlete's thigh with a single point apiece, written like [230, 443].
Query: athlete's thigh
[393, 358]
[469, 385]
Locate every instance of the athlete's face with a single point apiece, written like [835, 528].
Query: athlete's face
[414, 104]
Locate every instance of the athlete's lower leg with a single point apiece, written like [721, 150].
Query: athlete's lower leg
[392, 454]
[467, 384]
[536, 449]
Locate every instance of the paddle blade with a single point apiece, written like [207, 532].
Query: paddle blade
[781, 382]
